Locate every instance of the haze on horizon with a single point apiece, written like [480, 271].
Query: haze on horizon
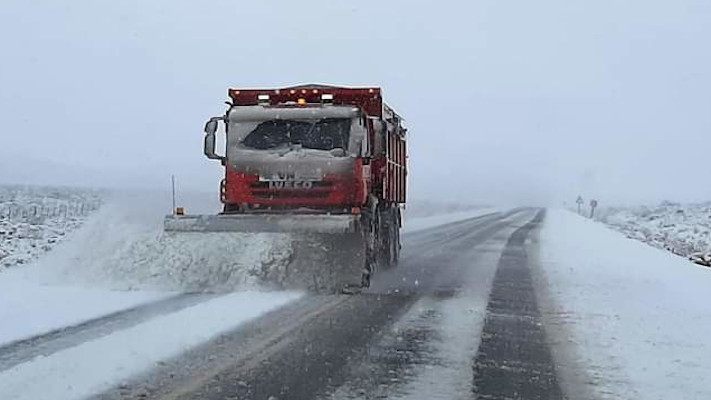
[516, 102]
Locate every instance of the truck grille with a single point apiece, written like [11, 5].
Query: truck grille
[318, 190]
[314, 184]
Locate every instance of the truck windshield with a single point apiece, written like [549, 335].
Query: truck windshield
[325, 134]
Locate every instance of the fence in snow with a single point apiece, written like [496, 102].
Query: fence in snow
[35, 211]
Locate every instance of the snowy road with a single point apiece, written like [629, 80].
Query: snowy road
[488, 307]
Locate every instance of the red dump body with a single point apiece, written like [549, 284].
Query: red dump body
[377, 170]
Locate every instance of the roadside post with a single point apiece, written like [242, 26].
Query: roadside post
[579, 201]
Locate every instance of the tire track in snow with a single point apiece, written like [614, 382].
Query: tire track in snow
[432, 262]
[428, 354]
[398, 355]
[514, 359]
[45, 344]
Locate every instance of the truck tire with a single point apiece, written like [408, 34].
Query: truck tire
[370, 224]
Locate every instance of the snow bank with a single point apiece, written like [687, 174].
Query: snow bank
[28, 308]
[98, 365]
[638, 316]
[683, 229]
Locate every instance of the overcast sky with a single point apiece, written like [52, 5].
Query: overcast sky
[506, 101]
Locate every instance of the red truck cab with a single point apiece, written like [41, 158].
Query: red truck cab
[310, 149]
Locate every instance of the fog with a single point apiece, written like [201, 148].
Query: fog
[506, 101]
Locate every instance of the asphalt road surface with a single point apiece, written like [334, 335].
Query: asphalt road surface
[457, 318]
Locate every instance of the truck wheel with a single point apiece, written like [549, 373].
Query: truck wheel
[371, 249]
[369, 264]
[383, 244]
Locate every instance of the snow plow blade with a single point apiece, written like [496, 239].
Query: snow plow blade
[327, 253]
[263, 223]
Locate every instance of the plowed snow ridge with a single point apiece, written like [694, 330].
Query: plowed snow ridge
[124, 251]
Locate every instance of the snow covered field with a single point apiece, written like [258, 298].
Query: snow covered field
[35, 219]
[683, 229]
[638, 316]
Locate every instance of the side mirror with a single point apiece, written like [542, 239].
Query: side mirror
[211, 125]
[210, 130]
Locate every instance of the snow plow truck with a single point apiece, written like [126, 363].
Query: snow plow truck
[326, 165]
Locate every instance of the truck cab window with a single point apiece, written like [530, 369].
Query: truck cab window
[328, 134]
[325, 134]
